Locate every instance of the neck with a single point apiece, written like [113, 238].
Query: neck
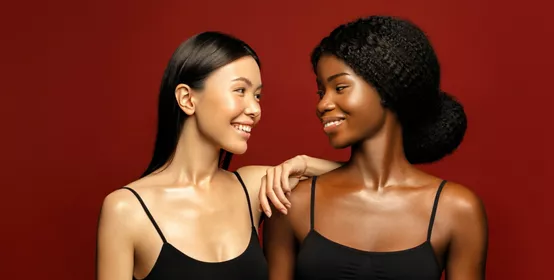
[380, 160]
[196, 159]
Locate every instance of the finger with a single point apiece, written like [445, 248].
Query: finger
[277, 186]
[285, 175]
[293, 182]
[271, 193]
[263, 198]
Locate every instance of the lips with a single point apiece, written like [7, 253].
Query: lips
[243, 129]
[331, 123]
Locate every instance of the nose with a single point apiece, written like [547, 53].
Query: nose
[252, 108]
[325, 104]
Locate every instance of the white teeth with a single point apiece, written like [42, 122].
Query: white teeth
[245, 128]
[332, 123]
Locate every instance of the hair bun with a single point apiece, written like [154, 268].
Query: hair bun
[439, 136]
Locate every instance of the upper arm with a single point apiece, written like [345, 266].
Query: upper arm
[252, 177]
[114, 256]
[467, 251]
[279, 247]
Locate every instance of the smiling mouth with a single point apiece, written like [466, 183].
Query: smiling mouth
[243, 128]
[332, 123]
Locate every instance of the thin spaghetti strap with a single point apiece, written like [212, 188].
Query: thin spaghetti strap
[434, 211]
[247, 197]
[148, 213]
[312, 203]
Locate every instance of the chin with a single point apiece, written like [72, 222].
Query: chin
[338, 143]
[237, 148]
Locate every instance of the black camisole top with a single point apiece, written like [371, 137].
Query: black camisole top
[173, 264]
[320, 258]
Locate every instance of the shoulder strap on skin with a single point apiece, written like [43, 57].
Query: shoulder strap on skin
[434, 211]
[247, 197]
[312, 203]
[148, 213]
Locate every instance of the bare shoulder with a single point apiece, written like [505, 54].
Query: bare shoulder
[118, 202]
[300, 200]
[252, 176]
[252, 172]
[301, 194]
[120, 208]
[461, 203]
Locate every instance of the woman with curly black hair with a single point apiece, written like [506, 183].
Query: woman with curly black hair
[378, 216]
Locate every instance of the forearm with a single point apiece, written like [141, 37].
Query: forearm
[317, 166]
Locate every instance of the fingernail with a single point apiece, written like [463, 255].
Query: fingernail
[287, 204]
[268, 214]
[284, 210]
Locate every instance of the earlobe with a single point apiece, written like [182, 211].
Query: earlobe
[183, 96]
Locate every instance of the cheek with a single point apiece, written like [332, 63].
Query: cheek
[214, 112]
[361, 101]
[366, 113]
[222, 105]
[228, 102]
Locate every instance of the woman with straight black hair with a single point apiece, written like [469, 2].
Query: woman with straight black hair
[188, 217]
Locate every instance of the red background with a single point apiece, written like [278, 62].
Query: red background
[79, 90]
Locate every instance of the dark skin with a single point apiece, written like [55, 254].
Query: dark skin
[377, 201]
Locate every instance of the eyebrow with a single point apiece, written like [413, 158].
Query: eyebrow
[247, 81]
[332, 77]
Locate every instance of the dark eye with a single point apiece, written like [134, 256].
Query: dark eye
[241, 90]
[340, 88]
[258, 96]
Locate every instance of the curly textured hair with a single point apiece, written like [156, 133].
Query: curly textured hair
[396, 58]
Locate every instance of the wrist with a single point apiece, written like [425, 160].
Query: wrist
[304, 160]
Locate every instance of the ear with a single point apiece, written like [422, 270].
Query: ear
[183, 95]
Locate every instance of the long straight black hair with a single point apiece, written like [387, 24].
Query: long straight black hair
[191, 63]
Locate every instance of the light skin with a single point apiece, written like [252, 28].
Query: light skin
[201, 209]
[377, 201]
